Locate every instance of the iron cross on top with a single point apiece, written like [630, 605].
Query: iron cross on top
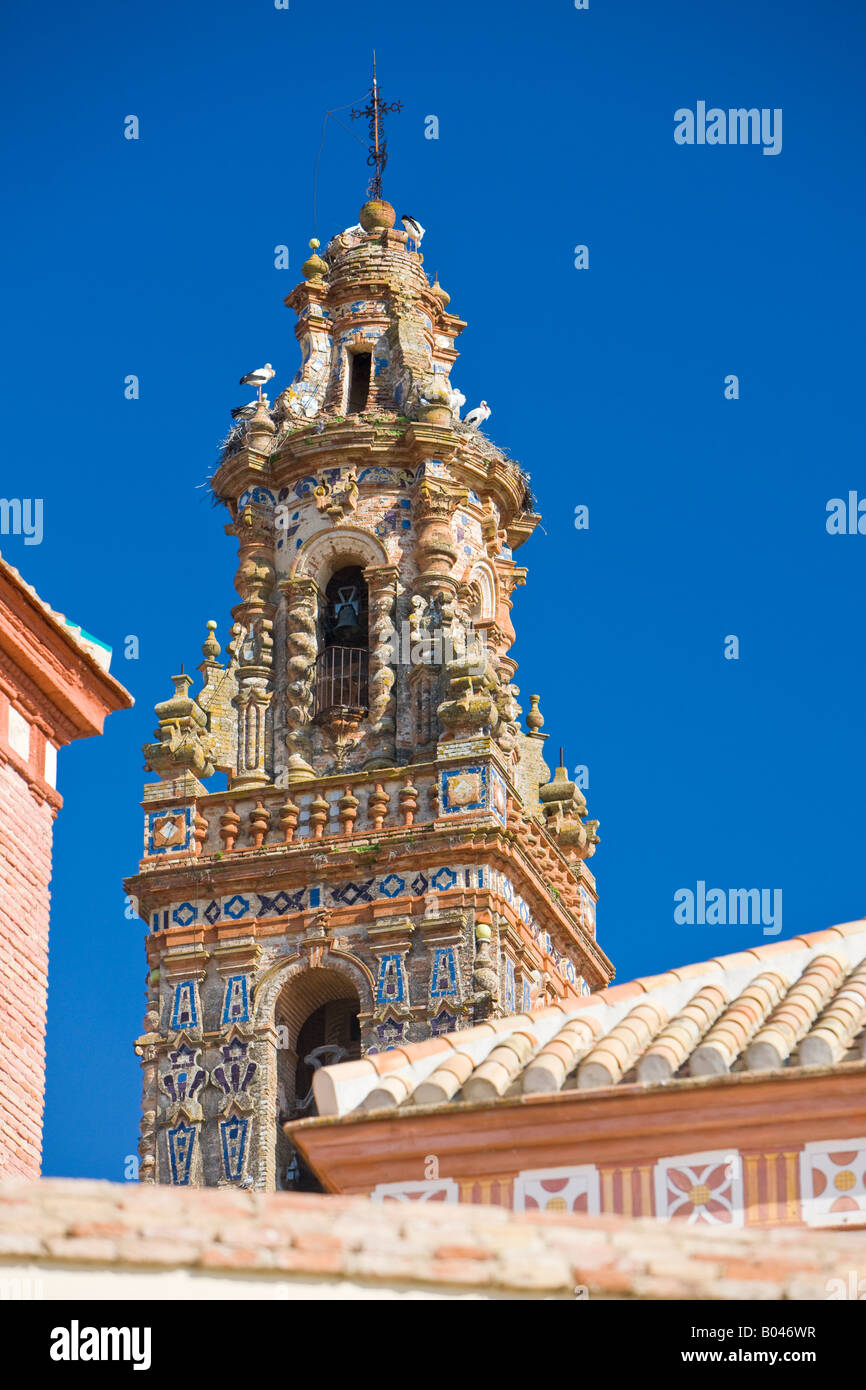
[375, 110]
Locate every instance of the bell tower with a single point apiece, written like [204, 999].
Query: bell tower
[389, 858]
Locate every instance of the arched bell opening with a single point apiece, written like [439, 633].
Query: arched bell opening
[343, 660]
[316, 1017]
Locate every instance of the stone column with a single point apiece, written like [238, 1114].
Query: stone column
[382, 589]
[253, 642]
[302, 600]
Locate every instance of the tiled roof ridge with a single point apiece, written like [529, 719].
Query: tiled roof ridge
[362, 1115]
[769, 995]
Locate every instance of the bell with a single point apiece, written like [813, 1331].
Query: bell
[346, 626]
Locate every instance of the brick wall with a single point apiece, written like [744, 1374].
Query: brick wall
[26, 820]
[52, 690]
[73, 1239]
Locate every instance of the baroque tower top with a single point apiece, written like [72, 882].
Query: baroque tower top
[390, 856]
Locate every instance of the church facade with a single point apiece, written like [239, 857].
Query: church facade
[389, 858]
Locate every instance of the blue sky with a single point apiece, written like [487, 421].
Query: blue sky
[707, 516]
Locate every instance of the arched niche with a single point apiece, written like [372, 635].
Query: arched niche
[322, 555]
[482, 582]
[309, 1008]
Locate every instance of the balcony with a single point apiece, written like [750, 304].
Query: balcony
[341, 681]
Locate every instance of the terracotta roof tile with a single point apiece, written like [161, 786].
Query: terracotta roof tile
[832, 1033]
[737, 1025]
[670, 1048]
[792, 1018]
[617, 1050]
[497, 1071]
[798, 1002]
[774, 948]
[701, 967]
[548, 1070]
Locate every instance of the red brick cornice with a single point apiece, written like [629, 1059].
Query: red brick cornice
[67, 686]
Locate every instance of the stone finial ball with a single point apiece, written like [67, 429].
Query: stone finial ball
[482, 931]
[314, 268]
[377, 216]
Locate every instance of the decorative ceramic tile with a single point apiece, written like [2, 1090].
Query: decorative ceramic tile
[498, 795]
[462, 790]
[185, 1009]
[509, 985]
[558, 1189]
[262, 495]
[390, 1034]
[701, 1189]
[443, 1023]
[236, 1004]
[237, 906]
[443, 979]
[443, 880]
[235, 1073]
[233, 1141]
[351, 893]
[391, 984]
[833, 1182]
[392, 886]
[433, 1190]
[168, 832]
[181, 1141]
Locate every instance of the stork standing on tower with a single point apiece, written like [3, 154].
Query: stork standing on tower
[413, 229]
[477, 416]
[259, 378]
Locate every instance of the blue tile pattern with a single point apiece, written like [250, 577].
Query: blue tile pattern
[389, 1033]
[181, 1141]
[390, 886]
[236, 907]
[262, 495]
[391, 984]
[236, 1005]
[233, 1137]
[443, 1023]
[154, 840]
[509, 985]
[444, 977]
[184, 1013]
[463, 789]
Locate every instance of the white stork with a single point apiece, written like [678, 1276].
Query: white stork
[245, 412]
[259, 378]
[413, 229]
[477, 416]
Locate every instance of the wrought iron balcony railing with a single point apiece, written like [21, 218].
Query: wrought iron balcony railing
[341, 680]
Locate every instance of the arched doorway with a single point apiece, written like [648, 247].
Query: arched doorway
[316, 1017]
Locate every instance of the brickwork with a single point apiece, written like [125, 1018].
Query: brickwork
[74, 1239]
[54, 687]
[25, 872]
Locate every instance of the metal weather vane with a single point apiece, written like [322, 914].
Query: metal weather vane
[375, 111]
